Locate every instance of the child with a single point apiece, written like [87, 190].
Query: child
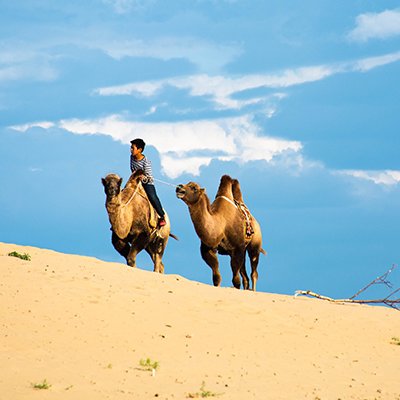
[139, 161]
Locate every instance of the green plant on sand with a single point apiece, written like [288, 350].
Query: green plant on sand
[149, 365]
[203, 393]
[396, 341]
[42, 385]
[24, 256]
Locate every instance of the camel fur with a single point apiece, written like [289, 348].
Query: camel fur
[221, 229]
[133, 220]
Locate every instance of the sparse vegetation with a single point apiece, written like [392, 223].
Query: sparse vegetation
[395, 341]
[203, 393]
[24, 256]
[149, 365]
[42, 385]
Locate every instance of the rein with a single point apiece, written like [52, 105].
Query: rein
[229, 200]
[133, 195]
[146, 180]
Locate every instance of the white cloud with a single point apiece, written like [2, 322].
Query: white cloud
[25, 127]
[35, 169]
[175, 166]
[18, 62]
[21, 60]
[384, 177]
[376, 26]
[33, 72]
[185, 147]
[369, 63]
[126, 6]
[207, 56]
[220, 89]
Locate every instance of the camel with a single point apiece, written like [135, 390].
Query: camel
[133, 221]
[221, 227]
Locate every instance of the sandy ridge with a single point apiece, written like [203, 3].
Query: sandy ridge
[84, 325]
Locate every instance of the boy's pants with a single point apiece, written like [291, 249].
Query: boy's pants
[150, 190]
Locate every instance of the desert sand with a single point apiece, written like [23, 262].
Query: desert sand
[83, 325]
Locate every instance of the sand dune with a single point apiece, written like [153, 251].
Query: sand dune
[84, 325]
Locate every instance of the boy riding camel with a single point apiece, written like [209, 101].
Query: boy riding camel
[139, 161]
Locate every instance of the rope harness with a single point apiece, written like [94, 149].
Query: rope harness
[246, 213]
[133, 195]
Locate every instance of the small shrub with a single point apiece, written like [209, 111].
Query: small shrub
[24, 256]
[395, 341]
[203, 393]
[149, 365]
[42, 385]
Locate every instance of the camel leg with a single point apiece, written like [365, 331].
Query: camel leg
[131, 259]
[209, 255]
[157, 260]
[120, 245]
[245, 277]
[156, 251]
[237, 264]
[158, 265]
[254, 255]
[136, 248]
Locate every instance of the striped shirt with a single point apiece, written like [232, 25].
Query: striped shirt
[145, 165]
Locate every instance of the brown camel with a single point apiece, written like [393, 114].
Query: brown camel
[133, 221]
[221, 227]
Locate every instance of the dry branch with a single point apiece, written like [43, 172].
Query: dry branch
[388, 300]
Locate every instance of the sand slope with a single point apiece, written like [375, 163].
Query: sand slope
[84, 325]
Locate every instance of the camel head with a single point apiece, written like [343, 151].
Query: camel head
[189, 193]
[112, 185]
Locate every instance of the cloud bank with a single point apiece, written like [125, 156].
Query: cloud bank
[185, 147]
[376, 26]
[386, 177]
[221, 89]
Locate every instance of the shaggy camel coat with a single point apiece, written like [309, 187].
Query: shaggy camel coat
[130, 215]
[221, 229]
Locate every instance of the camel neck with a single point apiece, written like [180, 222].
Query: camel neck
[206, 223]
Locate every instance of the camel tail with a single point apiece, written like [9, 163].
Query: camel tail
[263, 251]
[173, 236]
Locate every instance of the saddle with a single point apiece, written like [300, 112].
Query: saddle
[248, 226]
[153, 218]
[249, 230]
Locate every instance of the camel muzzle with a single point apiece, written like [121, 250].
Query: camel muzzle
[180, 191]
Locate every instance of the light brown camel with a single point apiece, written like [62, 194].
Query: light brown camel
[133, 221]
[221, 227]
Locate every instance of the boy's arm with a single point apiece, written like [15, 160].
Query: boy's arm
[148, 170]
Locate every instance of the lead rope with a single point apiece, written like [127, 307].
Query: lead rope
[145, 179]
[165, 183]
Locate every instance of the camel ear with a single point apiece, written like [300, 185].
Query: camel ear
[103, 181]
[120, 182]
[202, 190]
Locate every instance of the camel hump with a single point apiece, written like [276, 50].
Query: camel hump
[225, 187]
[135, 177]
[236, 191]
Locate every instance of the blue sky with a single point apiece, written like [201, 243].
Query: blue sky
[299, 100]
